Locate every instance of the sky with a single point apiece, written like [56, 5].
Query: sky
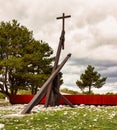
[91, 34]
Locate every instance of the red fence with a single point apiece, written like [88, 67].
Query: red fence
[74, 99]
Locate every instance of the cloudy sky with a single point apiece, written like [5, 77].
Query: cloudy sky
[91, 33]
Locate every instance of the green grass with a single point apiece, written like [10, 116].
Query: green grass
[84, 118]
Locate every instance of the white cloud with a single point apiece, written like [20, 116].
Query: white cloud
[90, 33]
[105, 32]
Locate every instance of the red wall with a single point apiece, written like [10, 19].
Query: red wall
[23, 99]
[74, 99]
[92, 99]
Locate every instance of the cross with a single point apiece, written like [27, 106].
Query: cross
[63, 18]
[62, 38]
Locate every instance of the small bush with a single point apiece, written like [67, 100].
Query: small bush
[65, 90]
[2, 96]
[21, 92]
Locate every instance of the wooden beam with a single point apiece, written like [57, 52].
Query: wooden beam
[60, 46]
[64, 98]
[37, 98]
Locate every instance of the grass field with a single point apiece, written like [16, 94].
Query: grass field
[80, 118]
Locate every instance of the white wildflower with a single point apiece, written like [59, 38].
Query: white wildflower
[90, 125]
[46, 118]
[31, 118]
[112, 115]
[95, 120]
[65, 113]
[75, 127]
[85, 115]
[1, 126]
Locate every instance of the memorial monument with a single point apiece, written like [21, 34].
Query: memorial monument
[50, 88]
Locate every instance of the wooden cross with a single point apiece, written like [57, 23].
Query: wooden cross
[63, 18]
[62, 38]
[49, 98]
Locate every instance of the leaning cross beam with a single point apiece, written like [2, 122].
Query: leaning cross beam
[37, 98]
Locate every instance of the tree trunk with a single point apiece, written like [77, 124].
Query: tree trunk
[89, 89]
[5, 80]
[4, 91]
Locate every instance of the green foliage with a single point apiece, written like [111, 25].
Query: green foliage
[90, 79]
[25, 92]
[25, 63]
[65, 90]
[111, 93]
[87, 92]
[2, 96]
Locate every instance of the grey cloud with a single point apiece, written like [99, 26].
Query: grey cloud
[112, 80]
[13, 10]
[106, 68]
[40, 16]
[92, 11]
[111, 73]
[91, 14]
[87, 61]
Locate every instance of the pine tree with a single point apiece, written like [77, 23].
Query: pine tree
[90, 79]
[25, 63]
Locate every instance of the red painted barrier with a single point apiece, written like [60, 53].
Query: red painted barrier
[23, 99]
[74, 99]
[91, 99]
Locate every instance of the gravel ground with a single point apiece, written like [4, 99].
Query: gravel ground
[19, 107]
